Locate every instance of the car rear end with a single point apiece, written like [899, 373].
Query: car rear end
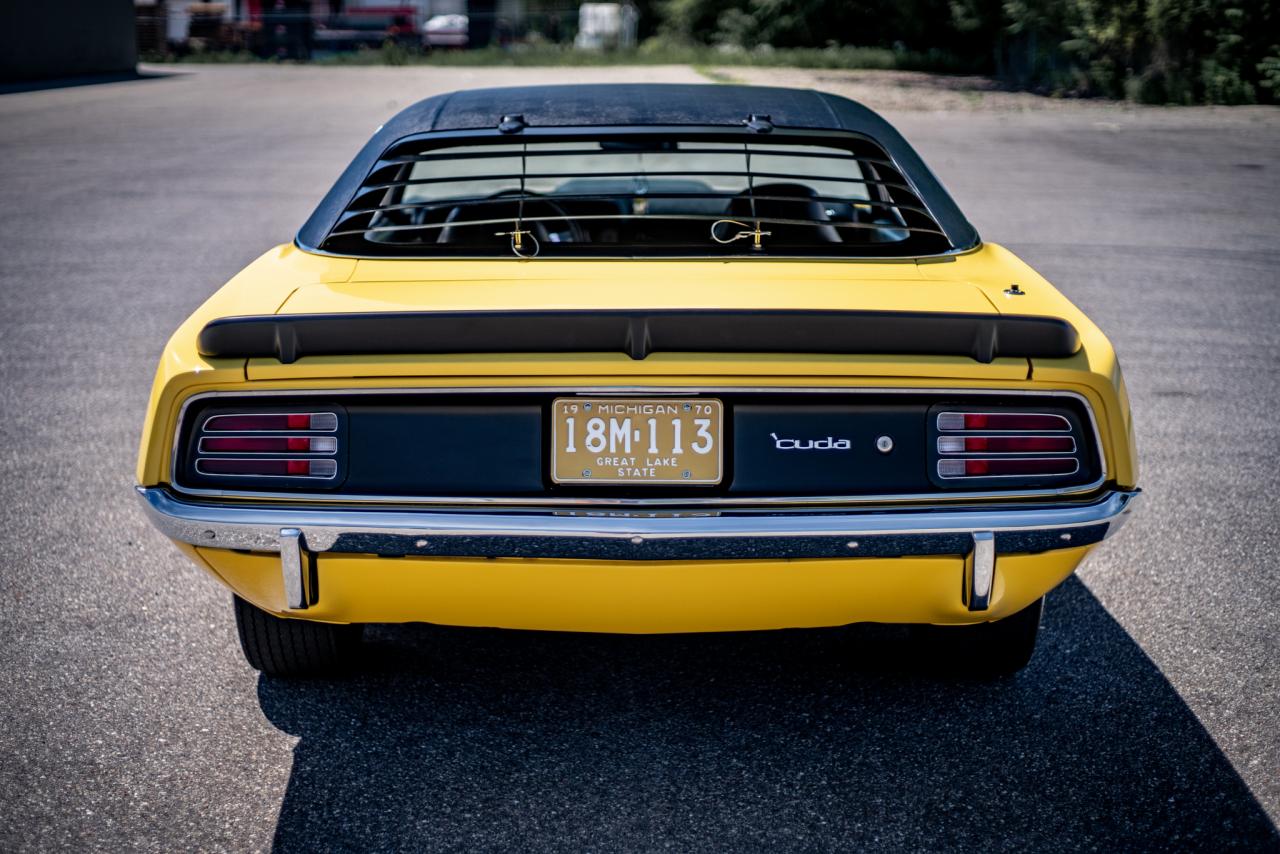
[477, 505]
[639, 379]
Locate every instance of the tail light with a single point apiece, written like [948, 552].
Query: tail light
[1007, 467]
[273, 422]
[1003, 421]
[267, 468]
[285, 447]
[268, 444]
[1006, 444]
[1028, 446]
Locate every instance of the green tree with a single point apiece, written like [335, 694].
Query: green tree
[1179, 51]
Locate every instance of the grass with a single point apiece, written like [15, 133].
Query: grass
[716, 75]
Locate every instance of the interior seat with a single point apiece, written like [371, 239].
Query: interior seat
[798, 204]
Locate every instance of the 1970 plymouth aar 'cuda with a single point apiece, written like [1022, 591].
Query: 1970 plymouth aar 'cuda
[637, 359]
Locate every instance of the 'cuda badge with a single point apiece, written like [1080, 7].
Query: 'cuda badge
[830, 443]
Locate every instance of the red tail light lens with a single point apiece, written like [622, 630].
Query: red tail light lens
[1000, 421]
[1006, 444]
[268, 444]
[323, 422]
[1007, 467]
[319, 469]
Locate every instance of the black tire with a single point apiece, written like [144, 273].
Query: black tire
[985, 650]
[282, 647]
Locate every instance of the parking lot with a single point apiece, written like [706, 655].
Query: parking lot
[1150, 716]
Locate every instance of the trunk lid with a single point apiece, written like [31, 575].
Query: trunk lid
[406, 286]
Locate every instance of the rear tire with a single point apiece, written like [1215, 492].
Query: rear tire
[986, 650]
[282, 647]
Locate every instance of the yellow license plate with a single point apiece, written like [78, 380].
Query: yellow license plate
[636, 440]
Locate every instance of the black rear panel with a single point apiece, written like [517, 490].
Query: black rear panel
[785, 449]
[402, 449]
[498, 445]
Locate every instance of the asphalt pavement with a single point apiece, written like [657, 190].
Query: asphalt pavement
[1149, 718]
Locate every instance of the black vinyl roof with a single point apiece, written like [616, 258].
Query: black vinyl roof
[479, 112]
[632, 104]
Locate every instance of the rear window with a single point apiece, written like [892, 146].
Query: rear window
[636, 196]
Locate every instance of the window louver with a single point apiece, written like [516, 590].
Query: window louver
[636, 195]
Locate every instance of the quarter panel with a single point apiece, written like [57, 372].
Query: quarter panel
[260, 288]
[1094, 371]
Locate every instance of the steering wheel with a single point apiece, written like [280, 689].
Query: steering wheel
[535, 205]
[541, 230]
[575, 232]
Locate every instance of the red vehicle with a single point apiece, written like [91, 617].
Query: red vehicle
[368, 26]
[289, 29]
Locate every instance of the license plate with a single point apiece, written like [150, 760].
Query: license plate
[636, 440]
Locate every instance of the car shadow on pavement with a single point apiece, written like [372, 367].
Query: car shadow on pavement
[470, 738]
[16, 86]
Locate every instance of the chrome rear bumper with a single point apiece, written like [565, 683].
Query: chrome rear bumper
[979, 534]
[632, 535]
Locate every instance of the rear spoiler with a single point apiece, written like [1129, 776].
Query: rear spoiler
[982, 337]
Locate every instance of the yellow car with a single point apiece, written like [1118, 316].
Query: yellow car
[637, 359]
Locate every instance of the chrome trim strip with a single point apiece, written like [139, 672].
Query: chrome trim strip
[970, 454]
[201, 450]
[873, 533]
[965, 431]
[232, 459]
[991, 459]
[828, 500]
[204, 428]
[755, 259]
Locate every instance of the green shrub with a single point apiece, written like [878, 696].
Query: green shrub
[1269, 72]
